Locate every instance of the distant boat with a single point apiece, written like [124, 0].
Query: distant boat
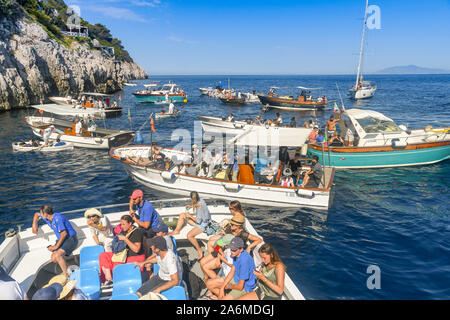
[163, 115]
[233, 100]
[169, 91]
[379, 142]
[302, 102]
[18, 147]
[362, 89]
[130, 84]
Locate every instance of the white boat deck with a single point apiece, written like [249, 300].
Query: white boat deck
[25, 253]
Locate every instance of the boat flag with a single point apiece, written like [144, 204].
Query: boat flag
[152, 123]
[129, 114]
[120, 98]
[343, 108]
[336, 108]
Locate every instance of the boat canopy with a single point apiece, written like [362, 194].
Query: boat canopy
[272, 136]
[95, 94]
[63, 110]
[372, 121]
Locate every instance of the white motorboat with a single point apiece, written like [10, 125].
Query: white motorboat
[18, 147]
[65, 131]
[25, 257]
[74, 106]
[130, 84]
[69, 110]
[250, 97]
[362, 89]
[205, 91]
[219, 125]
[255, 194]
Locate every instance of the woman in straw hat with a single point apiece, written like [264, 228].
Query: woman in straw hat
[100, 227]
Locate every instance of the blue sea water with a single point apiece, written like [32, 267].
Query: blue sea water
[394, 218]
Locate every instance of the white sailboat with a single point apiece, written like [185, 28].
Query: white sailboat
[362, 89]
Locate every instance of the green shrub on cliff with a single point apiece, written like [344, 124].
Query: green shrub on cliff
[7, 8]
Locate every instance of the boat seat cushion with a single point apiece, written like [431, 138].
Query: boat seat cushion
[130, 296]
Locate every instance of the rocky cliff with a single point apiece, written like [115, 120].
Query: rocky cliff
[34, 66]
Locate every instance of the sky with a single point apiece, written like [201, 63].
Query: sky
[274, 36]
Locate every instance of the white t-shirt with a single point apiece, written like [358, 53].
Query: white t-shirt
[225, 268]
[171, 108]
[106, 237]
[78, 127]
[47, 133]
[169, 265]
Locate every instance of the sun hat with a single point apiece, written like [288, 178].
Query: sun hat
[162, 227]
[236, 243]
[92, 212]
[316, 126]
[60, 278]
[51, 292]
[159, 242]
[67, 289]
[238, 219]
[194, 146]
[136, 194]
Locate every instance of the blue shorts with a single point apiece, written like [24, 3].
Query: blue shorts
[69, 245]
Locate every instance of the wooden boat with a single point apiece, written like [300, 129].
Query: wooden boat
[379, 142]
[163, 115]
[289, 103]
[233, 100]
[65, 131]
[183, 184]
[51, 148]
[25, 257]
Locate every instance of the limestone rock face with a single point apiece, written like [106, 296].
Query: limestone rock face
[33, 67]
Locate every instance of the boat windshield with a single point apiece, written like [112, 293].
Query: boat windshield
[376, 125]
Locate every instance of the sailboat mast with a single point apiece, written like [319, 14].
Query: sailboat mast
[362, 45]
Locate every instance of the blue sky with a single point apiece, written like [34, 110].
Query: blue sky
[273, 37]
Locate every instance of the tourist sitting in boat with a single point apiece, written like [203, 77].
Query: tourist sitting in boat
[66, 235]
[270, 275]
[143, 213]
[100, 227]
[241, 278]
[313, 135]
[189, 169]
[264, 171]
[321, 139]
[336, 139]
[232, 173]
[218, 258]
[199, 222]
[314, 175]
[292, 124]
[78, 127]
[196, 156]
[278, 121]
[249, 120]
[284, 156]
[157, 159]
[127, 248]
[59, 288]
[258, 121]
[230, 118]
[170, 269]
[286, 180]
[91, 126]
[215, 164]
[295, 165]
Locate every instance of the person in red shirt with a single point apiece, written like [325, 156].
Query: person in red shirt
[313, 135]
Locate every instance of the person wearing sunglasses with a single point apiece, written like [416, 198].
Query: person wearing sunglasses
[100, 227]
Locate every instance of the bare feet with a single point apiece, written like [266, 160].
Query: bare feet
[174, 233]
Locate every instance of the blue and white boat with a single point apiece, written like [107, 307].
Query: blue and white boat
[168, 92]
[379, 142]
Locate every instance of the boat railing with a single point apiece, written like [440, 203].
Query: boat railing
[158, 204]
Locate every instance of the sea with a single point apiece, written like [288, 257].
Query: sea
[386, 233]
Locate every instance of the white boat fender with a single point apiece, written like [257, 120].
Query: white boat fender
[304, 193]
[167, 175]
[304, 150]
[232, 186]
[399, 144]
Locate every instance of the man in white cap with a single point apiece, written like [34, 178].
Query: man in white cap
[101, 228]
[47, 133]
[78, 127]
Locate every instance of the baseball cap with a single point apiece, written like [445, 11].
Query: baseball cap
[162, 227]
[51, 292]
[236, 243]
[136, 194]
[225, 240]
[158, 242]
